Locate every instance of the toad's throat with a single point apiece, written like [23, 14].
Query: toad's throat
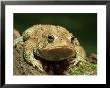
[57, 54]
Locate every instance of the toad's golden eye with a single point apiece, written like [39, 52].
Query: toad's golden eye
[50, 38]
[72, 38]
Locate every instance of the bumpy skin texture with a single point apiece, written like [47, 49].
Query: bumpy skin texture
[52, 43]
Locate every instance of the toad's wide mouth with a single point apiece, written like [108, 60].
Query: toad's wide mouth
[58, 53]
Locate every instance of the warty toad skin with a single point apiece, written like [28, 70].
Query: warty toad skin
[50, 42]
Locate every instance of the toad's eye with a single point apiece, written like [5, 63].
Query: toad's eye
[50, 38]
[72, 38]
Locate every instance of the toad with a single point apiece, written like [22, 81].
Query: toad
[51, 43]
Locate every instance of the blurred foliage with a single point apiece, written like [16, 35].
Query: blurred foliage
[83, 68]
[83, 25]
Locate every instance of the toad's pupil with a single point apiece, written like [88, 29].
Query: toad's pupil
[72, 38]
[50, 38]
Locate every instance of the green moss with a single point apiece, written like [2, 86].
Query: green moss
[83, 68]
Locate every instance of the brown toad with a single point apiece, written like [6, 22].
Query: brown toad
[50, 42]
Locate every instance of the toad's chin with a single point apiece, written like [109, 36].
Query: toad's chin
[58, 54]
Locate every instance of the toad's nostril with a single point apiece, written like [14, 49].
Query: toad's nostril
[61, 38]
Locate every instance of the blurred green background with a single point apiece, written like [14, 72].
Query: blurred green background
[83, 25]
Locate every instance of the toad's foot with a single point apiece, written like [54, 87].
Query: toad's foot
[37, 64]
[74, 62]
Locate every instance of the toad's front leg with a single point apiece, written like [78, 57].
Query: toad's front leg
[80, 53]
[29, 46]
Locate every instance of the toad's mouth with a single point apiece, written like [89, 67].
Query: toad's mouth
[57, 54]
